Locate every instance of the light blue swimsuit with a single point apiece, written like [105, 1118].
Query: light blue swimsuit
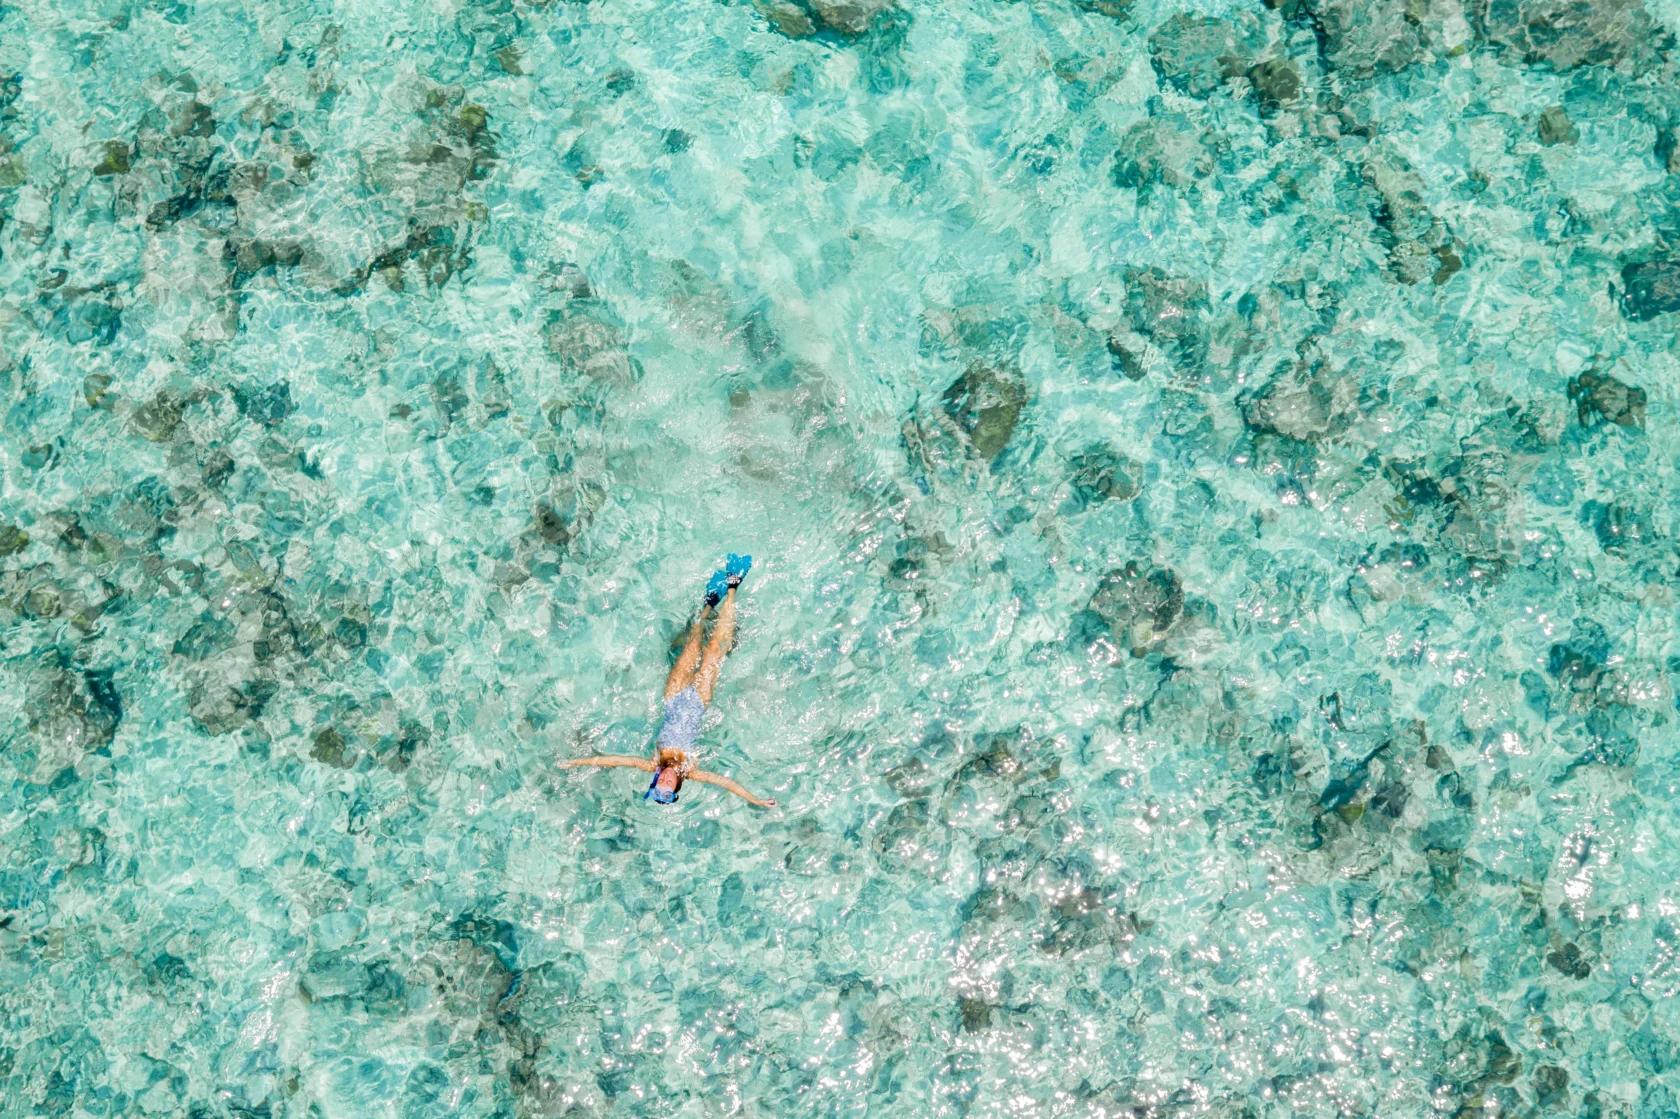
[681, 730]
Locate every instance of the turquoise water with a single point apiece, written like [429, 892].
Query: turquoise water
[1212, 471]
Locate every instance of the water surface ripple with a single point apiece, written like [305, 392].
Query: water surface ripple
[1212, 471]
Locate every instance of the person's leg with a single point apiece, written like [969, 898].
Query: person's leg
[682, 673]
[723, 636]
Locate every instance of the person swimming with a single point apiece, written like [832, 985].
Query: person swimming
[688, 689]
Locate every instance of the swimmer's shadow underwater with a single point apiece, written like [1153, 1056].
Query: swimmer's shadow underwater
[688, 689]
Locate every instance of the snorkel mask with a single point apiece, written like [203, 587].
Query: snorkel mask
[658, 795]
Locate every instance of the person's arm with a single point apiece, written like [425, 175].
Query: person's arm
[723, 782]
[607, 760]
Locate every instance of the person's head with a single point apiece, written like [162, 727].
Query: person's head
[663, 788]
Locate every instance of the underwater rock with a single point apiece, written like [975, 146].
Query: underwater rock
[591, 348]
[1162, 149]
[490, 934]
[1138, 607]
[32, 214]
[1667, 150]
[1101, 473]
[914, 557]
[1564, 34]
[800, 19]
[976, 1015]
[449, 398]
[1305, 403]
[114, 159]
[205, 637]
[550, 525]
[1503, 1062]
[218, 468]
[1194, 53]
[1601, 395]
[1113, 9]
[1551, 1088]
[424, 174]
[235, 660]
[992, 762]
[992, 904]
[509, 60]
[1414, 231]
[439, 250]
[193, 119]
[1390, 800]
[396, 753]
[1411, 262]
[849, 17]
[70, 713]
[96, 390]
[177, 137]
[1617, 526]
[790, 19]
[93, 320]
[1277, 82]
[219, 706]
[1366, 37]
[332, 975]
[158, 419]
[1569, 961]
[38, 594]
[253, 255]
[1651, 287]
[268, 406]
[909, 779]
[1340, 791]
[1555, 127]
[1129, 354]
[716, 311]
[1451, 263]
[1569, 661]
[471, 125]
[1084, 80]
[92, 696]
[166, 970]
[567, 278]
[1080, 921]
[145, 512]
[907, 842]
[986, 402]
[1171, 311]
[336, 975]
[467, 979]
[330, 748]
[12, 539]
[567, 514]
[183, 205]
[1578, 664]
[1482, 515]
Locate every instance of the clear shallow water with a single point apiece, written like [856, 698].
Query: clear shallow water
[1211, 472]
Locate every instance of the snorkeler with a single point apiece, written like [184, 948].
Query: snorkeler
[687, 691]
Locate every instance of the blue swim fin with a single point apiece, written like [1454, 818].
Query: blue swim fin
[730, 575]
